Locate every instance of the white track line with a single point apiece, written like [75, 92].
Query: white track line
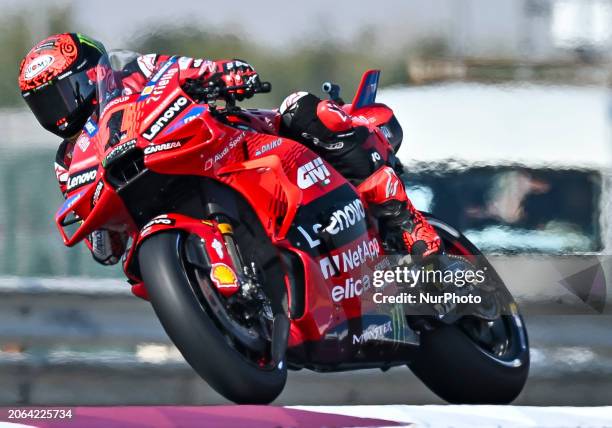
[478, 416]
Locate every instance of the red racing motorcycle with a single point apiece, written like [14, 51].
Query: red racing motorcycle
[258, 257]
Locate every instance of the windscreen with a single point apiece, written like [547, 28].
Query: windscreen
[109, 72]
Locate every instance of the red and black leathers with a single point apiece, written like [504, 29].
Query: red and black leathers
[342, 140]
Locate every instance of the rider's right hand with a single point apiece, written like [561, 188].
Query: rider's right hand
[239, 73]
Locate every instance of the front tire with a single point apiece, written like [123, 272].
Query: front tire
[452, 362]
[190, 327]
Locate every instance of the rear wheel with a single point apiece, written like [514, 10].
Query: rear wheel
[475, 360]
[231, 356]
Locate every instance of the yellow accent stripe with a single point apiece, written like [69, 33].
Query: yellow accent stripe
[225, 228]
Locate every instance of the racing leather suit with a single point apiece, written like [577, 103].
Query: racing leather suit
[343, 141]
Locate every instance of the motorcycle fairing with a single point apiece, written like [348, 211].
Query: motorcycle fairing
[215, 256]
[281, 179]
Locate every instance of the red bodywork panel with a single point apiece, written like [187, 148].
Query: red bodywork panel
[281, 179]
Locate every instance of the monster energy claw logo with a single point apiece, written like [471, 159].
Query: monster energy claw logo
[90, 42]
[399, 323]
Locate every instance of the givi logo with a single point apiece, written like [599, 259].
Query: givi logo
[313, 172]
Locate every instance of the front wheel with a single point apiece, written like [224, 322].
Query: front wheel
[191, 324]
[474, 360]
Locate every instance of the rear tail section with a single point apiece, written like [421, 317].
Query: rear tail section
[366, 93]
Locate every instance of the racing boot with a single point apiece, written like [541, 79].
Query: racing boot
[404, 227]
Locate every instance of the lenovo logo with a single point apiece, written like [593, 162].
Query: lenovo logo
[82, 178]
[165, 118]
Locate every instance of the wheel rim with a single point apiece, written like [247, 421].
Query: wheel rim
[503, 339]
[252, 345]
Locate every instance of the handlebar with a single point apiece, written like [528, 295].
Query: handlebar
[215, 90]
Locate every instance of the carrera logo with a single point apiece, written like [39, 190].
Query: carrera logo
[161, 147]
[82, 178]
[177, 106]
[311, 173]
[38, 66]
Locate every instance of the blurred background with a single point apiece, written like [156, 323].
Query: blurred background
[507, 115]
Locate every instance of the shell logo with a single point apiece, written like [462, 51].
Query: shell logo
[223, 276]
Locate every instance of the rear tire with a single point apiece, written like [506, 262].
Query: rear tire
[194, 333]
[454, 366]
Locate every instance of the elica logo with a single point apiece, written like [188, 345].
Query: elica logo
[311, 173]
[38, 66]
[340, 220]
[82, 178]
[161, 147]
[166, 117]
[351, 288]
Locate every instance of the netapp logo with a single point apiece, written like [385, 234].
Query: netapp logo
[166, 117]
[81, 178]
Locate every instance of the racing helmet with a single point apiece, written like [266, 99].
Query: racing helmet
[56, 81]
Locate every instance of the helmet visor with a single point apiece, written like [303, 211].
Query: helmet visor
[63, 106]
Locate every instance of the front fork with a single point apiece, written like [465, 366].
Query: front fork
[251, 288]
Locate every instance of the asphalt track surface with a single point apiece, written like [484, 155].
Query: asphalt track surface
[326, 416]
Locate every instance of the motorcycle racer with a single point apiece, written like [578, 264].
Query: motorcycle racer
[340, 139]
[57, 81]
